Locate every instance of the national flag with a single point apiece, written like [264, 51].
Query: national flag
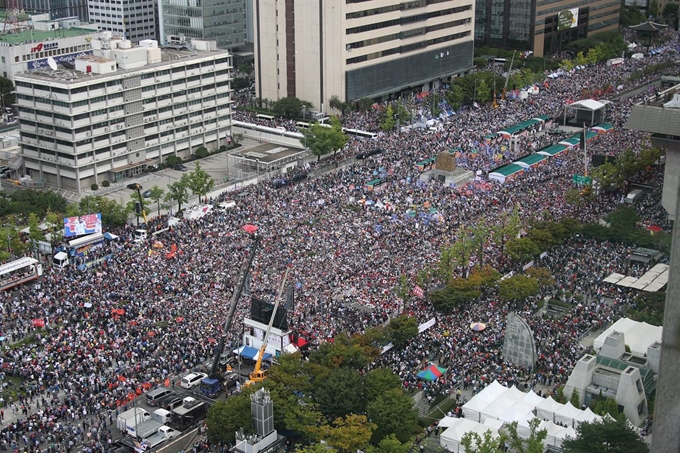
[418, 291]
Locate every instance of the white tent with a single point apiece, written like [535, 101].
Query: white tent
[446, 422]
[547, 408]
[532, 399]
[473, 408]
[563, 434]
[523, 429]
[494, 424]
[587, 416]
[501, 404]
[450, 439]
[553, 431]
[517, 411]
[567, 414]
[638, 335]
[491, 392]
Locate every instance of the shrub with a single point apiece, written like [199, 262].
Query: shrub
[94, 187]
[201, 152]
[105, 183]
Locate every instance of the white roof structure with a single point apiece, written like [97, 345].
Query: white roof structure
[547, 409]
[518, 411]
[589, 104]
[473, 409]
[532, 399]
[638, 335]
[447, 422]
[567, 414]
[450, 439]
[652, 280]
[613, 278]
[588, 416]
[502, 403]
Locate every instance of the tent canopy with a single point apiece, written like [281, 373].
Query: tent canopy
[250, 353]
[588, 104]
[431, 373]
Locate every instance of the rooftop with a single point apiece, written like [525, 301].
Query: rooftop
[30, 36]
[653, 116]
[68, 75]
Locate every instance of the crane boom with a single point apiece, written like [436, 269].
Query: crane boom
[507, 77]
[257, 375]
[232, 307]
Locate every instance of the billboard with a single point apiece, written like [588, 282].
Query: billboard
[84, 224]
[567, 19]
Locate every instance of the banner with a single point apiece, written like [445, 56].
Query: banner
[81, 225]
[567, 19]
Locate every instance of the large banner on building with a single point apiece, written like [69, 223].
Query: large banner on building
[84, 224]
[567, 19]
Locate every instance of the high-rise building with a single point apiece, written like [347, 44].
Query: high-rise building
[133, 20]
[542, 26]
[59, 9]
[223, 21]
[122, 109]
[314, 50]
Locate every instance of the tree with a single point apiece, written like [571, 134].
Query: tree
[401, 330]
[559, 395]
[522, 249]
[156, 195]
[670, 10]
[533, 444]
[7, 92]
[178, 191]
[341, 393]
[55, 227]
[33, 231]
[542, 238]
[393, 412]
[606, 436]
[391, 444]
[113, 213]
[323, 140]
[173, 160]
[575, 399]
[518, 287]
[542, 275]
[486, 443]
[483, 92]
[609, 406]
[347, 434]
[653, 8]
[314, 448]
[344, 351]
[335, 103]
[388, 119]
[364, 104]
[378, 381]
[225, 417]
[580, 59]
[288, 107]
[200, 182]
[455, 97]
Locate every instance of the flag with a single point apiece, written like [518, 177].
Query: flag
[418, 291]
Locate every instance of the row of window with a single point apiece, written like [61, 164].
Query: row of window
[408, 48]
[408, 34]
[388, 9]
[408, 20]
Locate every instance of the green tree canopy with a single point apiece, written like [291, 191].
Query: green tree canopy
[341, 393]
[393, 413]
[606, 436]
[378, 381]
[522, 249]
[113, 213]
[344, 351]
[347, 434]
[518, 287]
[178, 191]
[200, 182]
[323, 140]
[289, 107]
[534, 444]
[401, 330]
[225, 417]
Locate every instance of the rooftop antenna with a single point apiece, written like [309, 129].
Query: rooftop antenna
[52, 64]
[15, 16]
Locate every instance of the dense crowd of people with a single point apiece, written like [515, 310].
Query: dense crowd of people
[141, 318]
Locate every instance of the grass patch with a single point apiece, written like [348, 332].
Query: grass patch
[560, 303]
[23, 342]
[439, 411]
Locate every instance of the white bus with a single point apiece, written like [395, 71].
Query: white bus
[302, 125]
[80, 246]
[362, 134]
[262, 116]
[19, 272]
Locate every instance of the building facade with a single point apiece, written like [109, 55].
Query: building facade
[542, 26]
[351, 49]
[223, 21]
[121, 110]
[59, 9]
[135, 21]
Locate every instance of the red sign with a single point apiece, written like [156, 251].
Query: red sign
[39, 322]
[37, 48]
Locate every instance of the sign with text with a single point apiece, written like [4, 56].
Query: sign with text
[567, 19]
[582, 180]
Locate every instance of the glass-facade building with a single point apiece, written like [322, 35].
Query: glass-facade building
[223, 21]
[59, 9]
[542, 26]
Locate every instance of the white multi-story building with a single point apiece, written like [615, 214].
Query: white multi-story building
[133, 20]
[121, 110]
[314, 50]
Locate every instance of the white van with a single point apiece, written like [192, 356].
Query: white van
[60, 260]
[191, 380]
[140, 236]
[634, 195]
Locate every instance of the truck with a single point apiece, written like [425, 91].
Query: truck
[190, 412]
[196, 212]
[146, 429]
[163, 434]
[129, 417]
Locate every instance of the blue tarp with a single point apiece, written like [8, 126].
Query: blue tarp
[249, 353]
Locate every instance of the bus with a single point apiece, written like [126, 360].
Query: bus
[262, 116]
[302, 125]
[362, 134]
[18, 272]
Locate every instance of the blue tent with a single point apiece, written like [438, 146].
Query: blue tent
[249, 353]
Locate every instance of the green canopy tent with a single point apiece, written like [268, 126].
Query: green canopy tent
[507, 171]
[530, 160]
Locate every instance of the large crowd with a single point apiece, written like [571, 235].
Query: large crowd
[141, 318]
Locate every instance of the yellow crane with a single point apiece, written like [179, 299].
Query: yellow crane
[258, 374]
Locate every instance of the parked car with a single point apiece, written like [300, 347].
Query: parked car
[173, 403]
[179, 167]
[191, 380]
[146, 194]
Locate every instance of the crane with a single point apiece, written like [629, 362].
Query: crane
[507, 76]
[258, 374]
[138, 187]
[210, 386]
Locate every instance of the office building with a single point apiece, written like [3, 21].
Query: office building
[223, 21]
[542, 26]
[134, 21]
[27, 49]
[122, 109]
[59, 9]
[355, 49]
